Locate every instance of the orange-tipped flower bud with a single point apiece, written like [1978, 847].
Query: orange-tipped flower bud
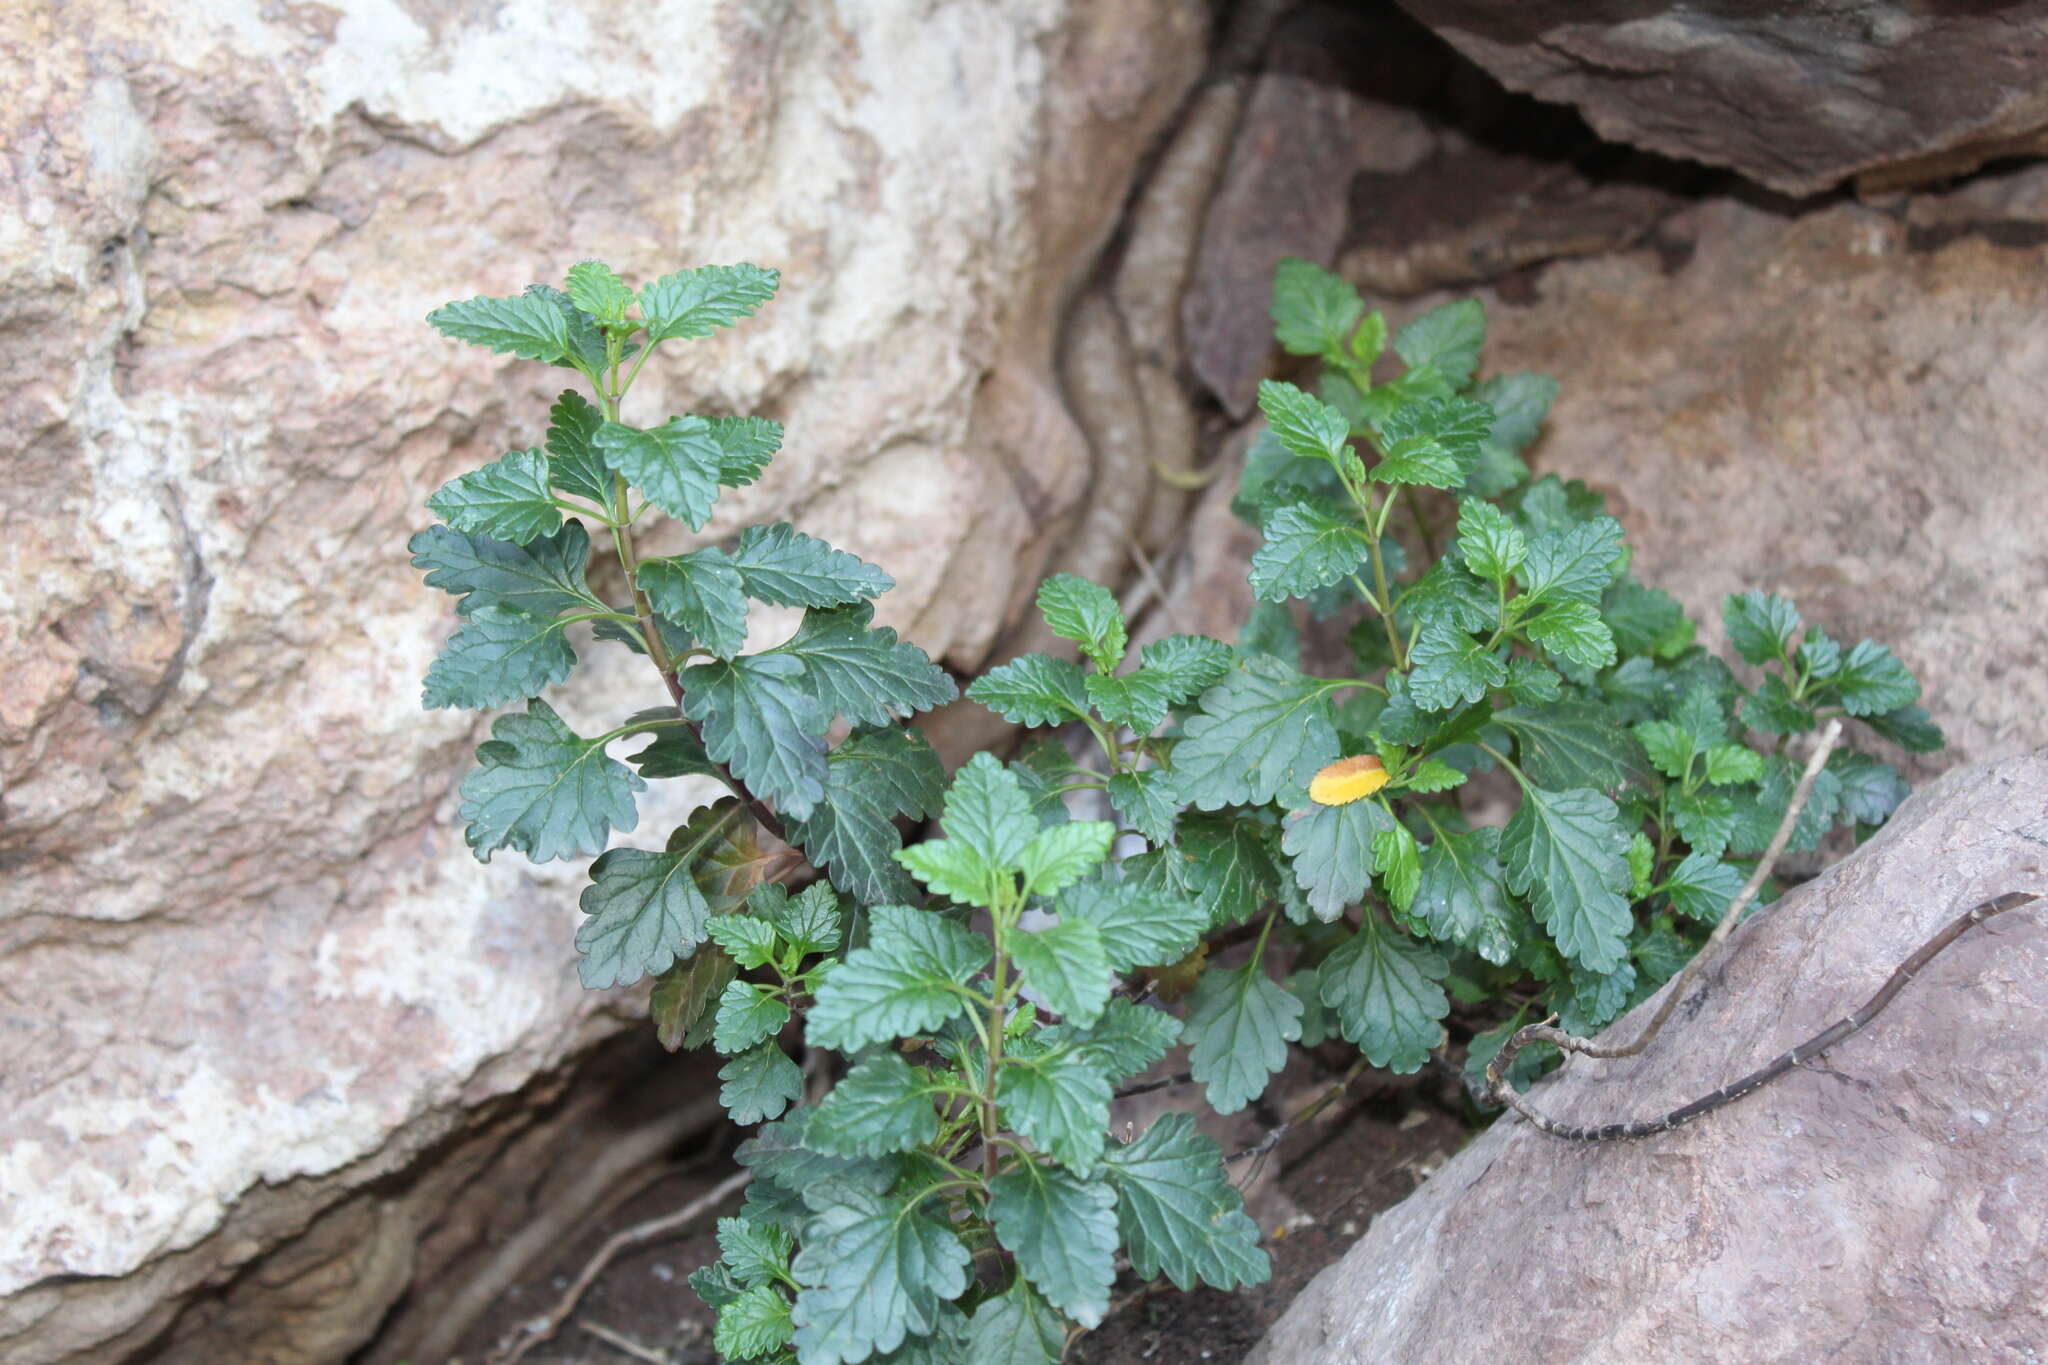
[1347, 780]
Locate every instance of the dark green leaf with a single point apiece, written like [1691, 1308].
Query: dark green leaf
[1702, 886]
[1060, 1100]
[1433, 443]
[587, 351]
[1227, 864]
[1908, 727]
[745, 446]
[693, 303]
[545, 790]
[1462, 896]
[754, 1253]
[781, 565]
[747, 1015]
[1449, 595]
[716, 1285]
[875, 1270]
[1446, 338]
[1308, 427]
[1573, 564]
[574, 465]
[1531, 684]
[749, 939]
[808, 923]
[1126, 1040]
[1136, 927]
[1573, 632]
[1399, 862]
[1873, 682]
[1033, 690]
[699, 591]
[752, 1325]
[1238, 1027]
[1145, 800]
[881, 1106]
[1644, 620]
[1595, 1000]
[1572, 744]
[1063, 854]
[1087, 614]
[759, 1084]
[1186, 665]
[1450, 668]
[1568, 852]
[1016, 1327]
[1520, 402]
[1773, 711]
[528, 327]
[1270, 630]
[683, 995]
[900, 985]
[599, 292]
[1661, 954]
[1062, 1230]
[1493, 546]
[1263, 729]
[1066, 967]
[1332, 852]
[645, 909]
[864, 672]
[500, 654]
[507, 499]
[1313, 312]
[543, 578]
[1383, 986]
[1139, 700]
[760, 720]
[676, 464]
[1871, 790]
[1760, 625]
[1307, 547]
[1706, 820]
[1179, 1216]
[870, 779]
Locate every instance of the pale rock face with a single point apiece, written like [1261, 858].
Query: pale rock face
[1877, 1204]
[248, 963]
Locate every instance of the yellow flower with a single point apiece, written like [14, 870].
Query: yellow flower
[1347, 780]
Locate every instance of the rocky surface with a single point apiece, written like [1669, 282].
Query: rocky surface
[1878, 1204]
[249, 967]
[1796, 97]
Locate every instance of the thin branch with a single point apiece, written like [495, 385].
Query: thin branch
[1147, 1087]
[541, 1329]
[1300, 1116]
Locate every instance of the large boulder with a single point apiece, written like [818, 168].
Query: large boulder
[1881, 1203]
[251, 969]
[1796, 97]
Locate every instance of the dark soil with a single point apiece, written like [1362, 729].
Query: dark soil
[1338, 1172]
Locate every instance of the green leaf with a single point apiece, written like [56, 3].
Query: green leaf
[1062, 1230]
[1644, 620]
[587, 351]
[1306, 548]
[644, 909]
[1139, 700]
[499, 655]
[1760, 625]
[745, 446]
[1520, 402]
[1225, 861]
[781, 565]
[1087, 614]
[759, 1084]
[676, 464]
[1033, 690]
[1332, 852]
[1064, 854]
[683, 996]
[1774, 797]
[1450, 668]
[1313, 311]
[752, 1325]
[1532, 684]
[864, 672]
[753, 1253]
[987, 809]
[507, 499]
[1728, 763]
[545, 790]
[693, 303]
[1908, 727]
[808, 923]
[1238, 1027]
[1399, 861]
[1016, 1327]
[1595, 1000]
[1669, 745]
[1574, 632]
[699, 591]
[1573, 564]
[1568, 852]
[528, 327]
[749, 939]
[1573, 744]
[1462, 896]
[1309, 428]
[1492, 545]
[882, 1105]
[1449, 596]
[1145, 801]
[1178, 1214]
[1772, 709]
[574, 465]
[1433, 775]
[747, 1015]
[1871, 790]
[1383, 986]
[902, 984]
[1447, 338]
[1263, 729]
[759, 720]
[1066, 967]
[1186, 665]
[595, 289]
[1432, 443]
[871, 778]
[1705, 820]
[1126, 1040]
[875, 1270]
[1275, 476]
[542, 578]
[1702, 886]
[1873, 682]
[1661, 954]
[1060, 1100]
[1135, 927]
[1819, 657]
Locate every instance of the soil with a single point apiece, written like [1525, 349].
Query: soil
[1338, 1172]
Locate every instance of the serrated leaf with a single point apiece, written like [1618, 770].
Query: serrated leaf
[864, 672]
[545, 790]
[753, 1253]
[1063, 854]
[716, 1284]
[1573, 744]
[587, 350]
[1307, 547]
[1433, 443]
[1313, 311]
[1060, 1100]
[1087, 614]
[528, 327]
[574, 465]
[694, 303]
[880, 1106]
[1136, 927]
[1727, 763]
[1661, 954]
[1531, 684]
[986, 808]
[1706, 820]
[1066, 967]
[745, 446]
[1645, 620]
[874, 1270]
[1383, 986]
[759, 719]
[1185, 665]
[1760, 625]
[902, 984]
[1568, 852]
[1033, 690]
[593, 287]
[1702, 886]
[701, 592]
[684, 994]
[1433, 775]
[1263, 729]
[1139, 700]
[1575, 563]
[1909, 728]
[1871, 790]
[1462, 895]
[1595, 1000]
[542, 578]
[752, 1325]
[1309, 428]
[1774, 796]
[750, 939]
[507, 499]
[1572, 631]
[1332, 852]
[1493, 546]
[676, 464]
[1275, 476]
[1772, 709]
[808, 923]
[759, 1084]
[1016, 1327]
[645, 910]
[1226, 862]
[1399, 861]
[870, 779]
[1450, 668]
[781, 565]
[1062, 1230]
[1872, 681]
[747, 1015]
[1669, 745]
[499, 655]
[1238, 1027]
[1178, 1214]
[1146, 802]
[1520, 402]
[1447, 338]
[1126, 1040]
[1450, 595]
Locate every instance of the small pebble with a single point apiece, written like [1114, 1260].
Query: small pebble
[664, 1272]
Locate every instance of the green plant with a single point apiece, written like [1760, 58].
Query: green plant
[956, 1193]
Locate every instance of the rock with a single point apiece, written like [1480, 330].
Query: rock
[1812, 406]
[255, 981]
[1878, 1204]
[1795, 97]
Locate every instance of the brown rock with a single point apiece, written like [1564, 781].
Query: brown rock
[1796, 97]
[1878, 1205]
